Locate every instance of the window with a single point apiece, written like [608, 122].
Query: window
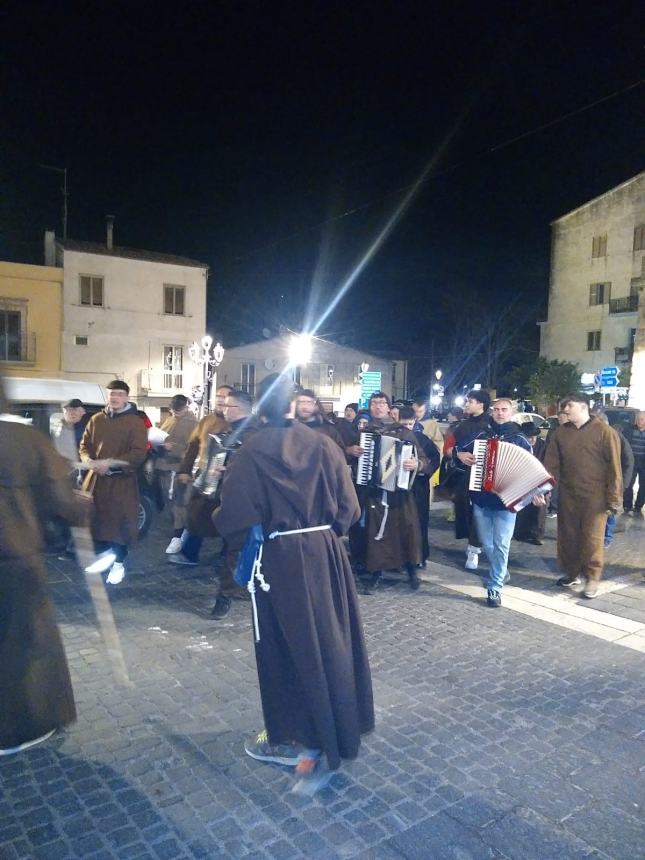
[80, 340]
[593, 341]
[599, 294]
[247, 382]
[173, 300]
[639, 237]
[91, 291]
[173, 365]
[10, 335]
[599, 246]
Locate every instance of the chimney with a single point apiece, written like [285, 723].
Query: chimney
[110, 231]
[50, 248]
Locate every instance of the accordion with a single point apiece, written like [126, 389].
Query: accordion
[207, 480]
[512, 473]
[381, 463]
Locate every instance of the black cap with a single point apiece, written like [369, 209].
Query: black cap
[74, 403]
[529, 429]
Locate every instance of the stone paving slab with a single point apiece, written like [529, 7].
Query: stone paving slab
[498, 735]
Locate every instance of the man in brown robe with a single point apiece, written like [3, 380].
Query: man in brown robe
[584, 457]
[314, 675]
[35, 689]
[309, 413]
[395, 544]
[113, 446]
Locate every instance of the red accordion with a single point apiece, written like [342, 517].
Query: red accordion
[511, 472]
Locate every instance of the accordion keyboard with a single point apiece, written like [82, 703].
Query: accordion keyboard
[365, 467]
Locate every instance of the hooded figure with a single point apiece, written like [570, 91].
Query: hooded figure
[35, 689]
[314, 676]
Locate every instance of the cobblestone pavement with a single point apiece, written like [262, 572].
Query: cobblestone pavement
[499, 735]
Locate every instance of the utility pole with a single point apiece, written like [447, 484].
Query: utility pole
[62, 170]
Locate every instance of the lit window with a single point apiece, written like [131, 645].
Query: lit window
[173, 365]
[247, 380]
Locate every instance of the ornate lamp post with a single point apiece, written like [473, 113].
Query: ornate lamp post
[207, 357]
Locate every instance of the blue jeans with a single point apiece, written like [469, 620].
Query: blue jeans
[610, 528]
[495, 529]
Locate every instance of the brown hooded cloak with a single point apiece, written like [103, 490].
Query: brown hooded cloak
[312, 664]
[35, 688]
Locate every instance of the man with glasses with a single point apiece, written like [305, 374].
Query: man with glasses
[308, 413]
[238, 412]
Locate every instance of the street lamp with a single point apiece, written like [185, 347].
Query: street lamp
[207, 357]
[300, 349]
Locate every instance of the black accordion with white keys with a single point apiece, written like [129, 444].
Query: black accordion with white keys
[381, 463]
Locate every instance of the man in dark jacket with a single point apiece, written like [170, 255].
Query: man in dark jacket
[238, 412]
[495, 524]
[309, 413]
[531, 520]
[635, 436]
[421, 485]
[474, 425]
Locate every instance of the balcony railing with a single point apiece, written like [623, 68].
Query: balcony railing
[19, 349]
[627, 304]
[623, 353]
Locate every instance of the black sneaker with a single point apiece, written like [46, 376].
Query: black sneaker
[371, 584]
[415, 582]
[222, 607]
[260, 749]
[565, 582]
[493, 598]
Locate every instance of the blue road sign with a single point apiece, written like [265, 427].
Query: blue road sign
[610, 382]
[609, 371]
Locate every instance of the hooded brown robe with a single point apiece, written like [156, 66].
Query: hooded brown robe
[314, 675]
[35, 688]
[119, 436]
[401, 543]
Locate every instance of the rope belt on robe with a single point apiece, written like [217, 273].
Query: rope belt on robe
[256, 572]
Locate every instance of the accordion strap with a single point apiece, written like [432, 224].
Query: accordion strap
[386, 511]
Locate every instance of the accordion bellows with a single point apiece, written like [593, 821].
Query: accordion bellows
[507, 470]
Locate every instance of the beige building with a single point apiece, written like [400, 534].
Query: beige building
[31, 314]
[130, 314]
[597, 279]
[332, 371]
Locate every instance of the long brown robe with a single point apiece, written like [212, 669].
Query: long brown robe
[312, 664]
[586, 463]
[179, 429]
[401, 544]
[121, 436]
[35, 688]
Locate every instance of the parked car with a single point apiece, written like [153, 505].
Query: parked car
[39, 400]
[527, 417]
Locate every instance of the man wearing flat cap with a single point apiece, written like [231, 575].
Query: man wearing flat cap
[67, 438]
[113, 446]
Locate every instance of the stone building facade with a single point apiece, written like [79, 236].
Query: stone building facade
[596, 284]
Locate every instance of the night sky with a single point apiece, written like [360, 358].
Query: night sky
[273, 141]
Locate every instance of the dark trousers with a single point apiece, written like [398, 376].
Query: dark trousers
[120, 550]
[464, 523]
[628, 496]
[530, 523]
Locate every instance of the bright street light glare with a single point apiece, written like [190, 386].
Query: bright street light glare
[300, 349]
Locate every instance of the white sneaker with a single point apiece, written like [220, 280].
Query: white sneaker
[472, 560]
[174, 546]
[116, 575]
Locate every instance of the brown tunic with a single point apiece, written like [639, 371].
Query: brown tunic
[121, 436]
[401, 544]
[35, 688]
[179, 429]
[313, 670]
[586, 463]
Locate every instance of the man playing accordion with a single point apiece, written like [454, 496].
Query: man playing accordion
[387, 536]
[495, 524]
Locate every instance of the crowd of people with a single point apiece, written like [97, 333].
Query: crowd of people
[283, 487]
